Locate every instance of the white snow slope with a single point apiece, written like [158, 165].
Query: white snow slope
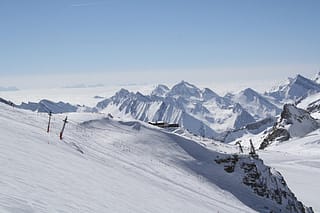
[122, 169]
[103, 165]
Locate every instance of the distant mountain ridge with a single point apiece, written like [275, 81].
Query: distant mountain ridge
[256, 104]
[202, 112]
[295, 89]
[47, 106]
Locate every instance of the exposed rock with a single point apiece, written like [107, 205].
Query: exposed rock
[293, 122]
[264, 181]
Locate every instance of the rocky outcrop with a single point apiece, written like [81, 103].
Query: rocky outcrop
[264, 182]
[293, 122]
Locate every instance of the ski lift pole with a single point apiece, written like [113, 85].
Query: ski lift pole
[252, 149]
[64, 125]
[50, 114]
[240, 147]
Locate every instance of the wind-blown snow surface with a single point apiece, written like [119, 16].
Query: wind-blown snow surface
[122, 169]
[103, 165]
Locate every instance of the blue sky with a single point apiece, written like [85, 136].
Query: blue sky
[217, 39]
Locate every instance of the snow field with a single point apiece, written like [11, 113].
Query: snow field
[124, 168]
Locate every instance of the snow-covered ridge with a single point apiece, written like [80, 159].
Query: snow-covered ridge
[100, 163]
[50, 106]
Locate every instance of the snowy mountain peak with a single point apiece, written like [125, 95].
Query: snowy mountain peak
[250, 92]
[299, 79]
[139, 96]
[256, 104]
[297, 88]
[301, 86]
[185, 89]
[161, 90]
[208, 94]
[122, 93]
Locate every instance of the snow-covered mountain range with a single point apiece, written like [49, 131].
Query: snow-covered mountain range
[114, 142]
[202, 112]
[199, 111]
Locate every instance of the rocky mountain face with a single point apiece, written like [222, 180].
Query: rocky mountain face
[264, 182]
[202, 112]
[293, 122]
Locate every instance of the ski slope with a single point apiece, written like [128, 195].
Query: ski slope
[124, 167]
[106, 165]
